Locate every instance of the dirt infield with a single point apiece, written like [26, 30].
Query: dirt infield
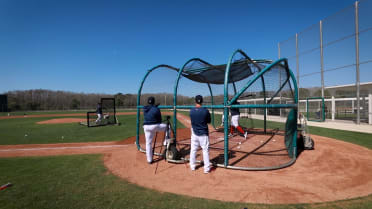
[335, 170]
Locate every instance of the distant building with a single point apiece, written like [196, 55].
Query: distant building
[350, 90]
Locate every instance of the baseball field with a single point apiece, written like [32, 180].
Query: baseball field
[54, 162]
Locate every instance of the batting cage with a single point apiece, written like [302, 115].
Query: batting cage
[108, 116]
[259, 90]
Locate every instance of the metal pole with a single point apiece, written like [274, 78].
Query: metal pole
[298, 71]
[357, 60]
[280, 82]
[321, 56]
[370, 109]
[333, 102]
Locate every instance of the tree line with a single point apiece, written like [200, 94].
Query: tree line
[42, 99]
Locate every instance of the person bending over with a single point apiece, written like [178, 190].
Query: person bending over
[99, 112]
[151, 125]
[235, 116]
[200, 117]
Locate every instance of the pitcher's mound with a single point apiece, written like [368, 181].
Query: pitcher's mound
[335, 170]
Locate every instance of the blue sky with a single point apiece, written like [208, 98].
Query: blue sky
[107, 46]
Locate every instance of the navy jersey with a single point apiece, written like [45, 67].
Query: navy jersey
[99, 109]
[235, 111]
[152, 115]
[200, 117]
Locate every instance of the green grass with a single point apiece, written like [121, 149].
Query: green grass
[363, 139]
[81, 181]
[26, 131]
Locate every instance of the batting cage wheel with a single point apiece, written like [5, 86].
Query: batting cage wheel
[172, 152]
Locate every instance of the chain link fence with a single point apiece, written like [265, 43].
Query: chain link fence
[333, 59]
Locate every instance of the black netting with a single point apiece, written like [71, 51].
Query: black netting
[108, 116]
[200, 71]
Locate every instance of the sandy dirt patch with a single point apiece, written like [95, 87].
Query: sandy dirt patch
[62, 120]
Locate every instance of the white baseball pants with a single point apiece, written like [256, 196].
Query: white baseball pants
[150, 131]
[235, 120]
[99, 118]
[203, 142]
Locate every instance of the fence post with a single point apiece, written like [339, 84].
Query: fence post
[370, 109]
[321, 56]
[298, 72]
[333, 108]
[357, 61]
[255, 109]
[280, 83]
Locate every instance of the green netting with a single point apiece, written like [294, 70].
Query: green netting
[290, 131]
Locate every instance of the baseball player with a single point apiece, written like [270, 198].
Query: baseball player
[151, 125]
[235, 116]
[200, 117]
[99, 112]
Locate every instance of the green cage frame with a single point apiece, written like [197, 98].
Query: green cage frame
[322, 110]
[229, 104]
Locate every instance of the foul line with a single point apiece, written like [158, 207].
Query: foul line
[60, 148]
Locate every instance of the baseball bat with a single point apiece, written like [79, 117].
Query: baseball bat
[6, 186]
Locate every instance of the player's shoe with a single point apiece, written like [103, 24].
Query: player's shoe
[245, 135]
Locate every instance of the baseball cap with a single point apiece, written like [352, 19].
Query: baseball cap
[151, 100]
[199, 99]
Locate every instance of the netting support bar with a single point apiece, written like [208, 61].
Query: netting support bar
[210, 91]
[139, 99]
